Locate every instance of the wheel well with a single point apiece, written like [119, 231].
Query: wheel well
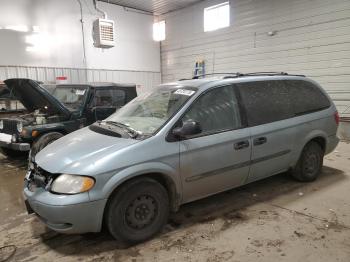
[320, 141]
[169, 186]
[49, 131]
[162, 179]
[62, 131]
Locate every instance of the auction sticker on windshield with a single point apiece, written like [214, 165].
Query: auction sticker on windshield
[80, 92]
[184, 92]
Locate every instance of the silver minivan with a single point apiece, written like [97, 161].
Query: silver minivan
[178, 143]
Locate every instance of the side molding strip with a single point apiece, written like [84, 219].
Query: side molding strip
[236, 166]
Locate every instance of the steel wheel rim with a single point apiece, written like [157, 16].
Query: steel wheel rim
[141, 212]
[311, 164]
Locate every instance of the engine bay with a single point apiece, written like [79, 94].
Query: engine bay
[37, 118]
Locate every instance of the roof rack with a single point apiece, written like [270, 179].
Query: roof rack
[235, 75]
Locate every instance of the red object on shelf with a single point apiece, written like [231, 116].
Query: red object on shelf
[61, 79]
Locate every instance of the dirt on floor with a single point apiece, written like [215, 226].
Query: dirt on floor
[277, 219]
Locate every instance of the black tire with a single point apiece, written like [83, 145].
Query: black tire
[43, 141]
[14, 154]
[309, 164]
[137, 211]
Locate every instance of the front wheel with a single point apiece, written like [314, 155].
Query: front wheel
[42, 142]
[310, 163]
[137, 211]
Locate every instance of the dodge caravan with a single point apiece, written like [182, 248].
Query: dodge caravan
[178, 143]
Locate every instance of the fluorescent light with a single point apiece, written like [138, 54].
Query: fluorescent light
[159, 31]
[216, 17]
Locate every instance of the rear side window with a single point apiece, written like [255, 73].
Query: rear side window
[265, 101]
[118, 97]
[306, 97]
[109, 98]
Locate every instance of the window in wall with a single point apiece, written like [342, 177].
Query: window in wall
[159, 31]
[217, 16]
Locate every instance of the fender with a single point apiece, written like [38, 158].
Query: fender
[141, 169]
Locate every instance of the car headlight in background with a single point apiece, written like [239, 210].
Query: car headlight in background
[19, 127]
[72, 184]
[1, 124]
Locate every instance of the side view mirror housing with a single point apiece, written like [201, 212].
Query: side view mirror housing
[189, 128]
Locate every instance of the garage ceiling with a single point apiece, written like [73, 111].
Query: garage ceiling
[157, 7]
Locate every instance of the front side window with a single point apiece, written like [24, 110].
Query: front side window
[148, 112]
[215, 111]
[265, 101]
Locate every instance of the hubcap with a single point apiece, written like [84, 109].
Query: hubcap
[141, 212]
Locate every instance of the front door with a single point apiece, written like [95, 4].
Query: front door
[218, 158]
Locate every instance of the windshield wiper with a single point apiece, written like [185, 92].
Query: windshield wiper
[132, 132]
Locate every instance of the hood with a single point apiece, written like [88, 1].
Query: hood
[33, 96]
[81, 152]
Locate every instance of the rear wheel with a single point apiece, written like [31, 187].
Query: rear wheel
[137, 211]
[310, 163]
[10, 153]
[43, 141]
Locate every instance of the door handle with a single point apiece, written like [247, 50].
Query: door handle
[241, 145]
[259, 141]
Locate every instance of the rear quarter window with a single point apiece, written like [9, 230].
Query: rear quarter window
[265, 101]
[306, 97]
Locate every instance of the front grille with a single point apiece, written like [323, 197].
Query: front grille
[10, 126]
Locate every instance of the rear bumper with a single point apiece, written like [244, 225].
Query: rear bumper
[66, 216]
[16, 146]
[332, 143]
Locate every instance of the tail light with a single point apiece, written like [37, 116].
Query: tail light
[337, 117]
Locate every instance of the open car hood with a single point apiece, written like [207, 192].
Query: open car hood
[33, 96]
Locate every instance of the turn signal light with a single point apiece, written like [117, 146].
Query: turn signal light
[35, 133]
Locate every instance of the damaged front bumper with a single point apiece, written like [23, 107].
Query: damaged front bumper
[64, 213]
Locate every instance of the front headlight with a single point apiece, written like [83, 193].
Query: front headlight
[19, 127]
[72, 184]
[1, 124]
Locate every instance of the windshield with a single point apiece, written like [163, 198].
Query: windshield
[147, 113]
[71, 96]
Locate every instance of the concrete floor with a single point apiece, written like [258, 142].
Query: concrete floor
[276, 219]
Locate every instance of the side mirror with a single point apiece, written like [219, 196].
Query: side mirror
[189, 128]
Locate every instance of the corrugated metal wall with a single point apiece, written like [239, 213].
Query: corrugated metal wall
[312, 37]
[145, 80]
